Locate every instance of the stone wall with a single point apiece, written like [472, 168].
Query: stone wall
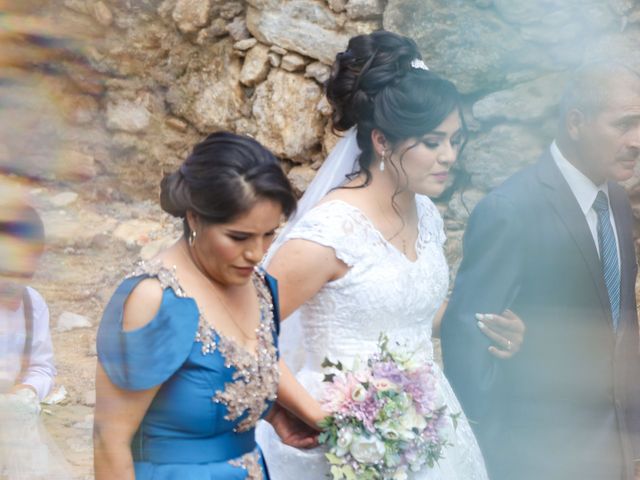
[156, 76]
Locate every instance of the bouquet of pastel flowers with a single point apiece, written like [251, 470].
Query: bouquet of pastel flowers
[387, 418]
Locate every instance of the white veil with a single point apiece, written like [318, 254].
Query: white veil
[341, 162]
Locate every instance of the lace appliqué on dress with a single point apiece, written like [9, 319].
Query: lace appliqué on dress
[166, 276]
[255, 380]
[251, 463]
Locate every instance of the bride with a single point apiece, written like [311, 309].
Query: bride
[364, 254]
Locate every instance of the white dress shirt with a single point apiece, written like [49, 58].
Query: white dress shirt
[585, 192]
[41, 371]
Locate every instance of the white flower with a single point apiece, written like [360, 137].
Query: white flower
[359, 394]
[345, 437]
[411, 355]
[411, 420]
[389, 430]
[367, 449]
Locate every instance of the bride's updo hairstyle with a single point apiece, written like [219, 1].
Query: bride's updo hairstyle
[373, 85]
[223, 178]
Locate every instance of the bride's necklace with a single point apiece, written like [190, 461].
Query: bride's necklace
[189, 256]
[400, 235]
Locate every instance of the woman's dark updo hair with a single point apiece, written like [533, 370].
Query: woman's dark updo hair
[374, 86]
[223, 178]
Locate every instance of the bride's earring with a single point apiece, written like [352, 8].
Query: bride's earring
[384, 156]
[192, 238]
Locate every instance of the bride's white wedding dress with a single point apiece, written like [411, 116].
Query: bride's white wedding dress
[382, 292]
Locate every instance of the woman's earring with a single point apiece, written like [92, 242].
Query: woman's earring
[192, 238]
[384, 156]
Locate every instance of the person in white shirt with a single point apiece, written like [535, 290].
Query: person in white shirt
[26, 353]
[27, 371]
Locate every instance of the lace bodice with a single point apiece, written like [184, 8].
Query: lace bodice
[383, 291]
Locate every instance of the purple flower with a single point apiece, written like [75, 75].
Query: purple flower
[390, 371]
[366, 411]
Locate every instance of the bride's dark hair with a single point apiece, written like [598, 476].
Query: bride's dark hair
[374, 86]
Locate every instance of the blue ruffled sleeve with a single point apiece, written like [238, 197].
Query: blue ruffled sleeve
[146, 357]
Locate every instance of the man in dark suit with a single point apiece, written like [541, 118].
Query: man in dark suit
[554, 244]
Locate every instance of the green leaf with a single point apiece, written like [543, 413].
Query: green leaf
[328, 377]
[348, 472]
[326, 363]
[323, 437]
[339, 365]
[333, 459]
[336, 473]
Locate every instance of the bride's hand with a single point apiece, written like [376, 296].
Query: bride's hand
[506, 331]
[291, 430]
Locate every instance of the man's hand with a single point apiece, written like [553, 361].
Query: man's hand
[507, 331]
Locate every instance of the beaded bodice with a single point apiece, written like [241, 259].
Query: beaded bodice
[254, 381]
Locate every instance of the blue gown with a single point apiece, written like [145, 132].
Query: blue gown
[200, 425]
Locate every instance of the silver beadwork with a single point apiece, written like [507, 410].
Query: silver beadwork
[251, 463]
[255, 380]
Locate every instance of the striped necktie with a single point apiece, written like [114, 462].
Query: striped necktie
[608, 255]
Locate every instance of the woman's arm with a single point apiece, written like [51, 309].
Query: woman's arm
[118, 412]
[118, 415]
[302, 267]
[296, 415]
[293, 397]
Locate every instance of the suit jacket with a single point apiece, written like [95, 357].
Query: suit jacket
[567, 406]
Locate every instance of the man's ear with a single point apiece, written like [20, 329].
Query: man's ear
[574, 123]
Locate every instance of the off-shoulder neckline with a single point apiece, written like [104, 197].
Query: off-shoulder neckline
[168, 278]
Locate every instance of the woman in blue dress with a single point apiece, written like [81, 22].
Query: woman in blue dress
[187, 346]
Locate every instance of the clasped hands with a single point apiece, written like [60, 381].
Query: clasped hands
[291, 430]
